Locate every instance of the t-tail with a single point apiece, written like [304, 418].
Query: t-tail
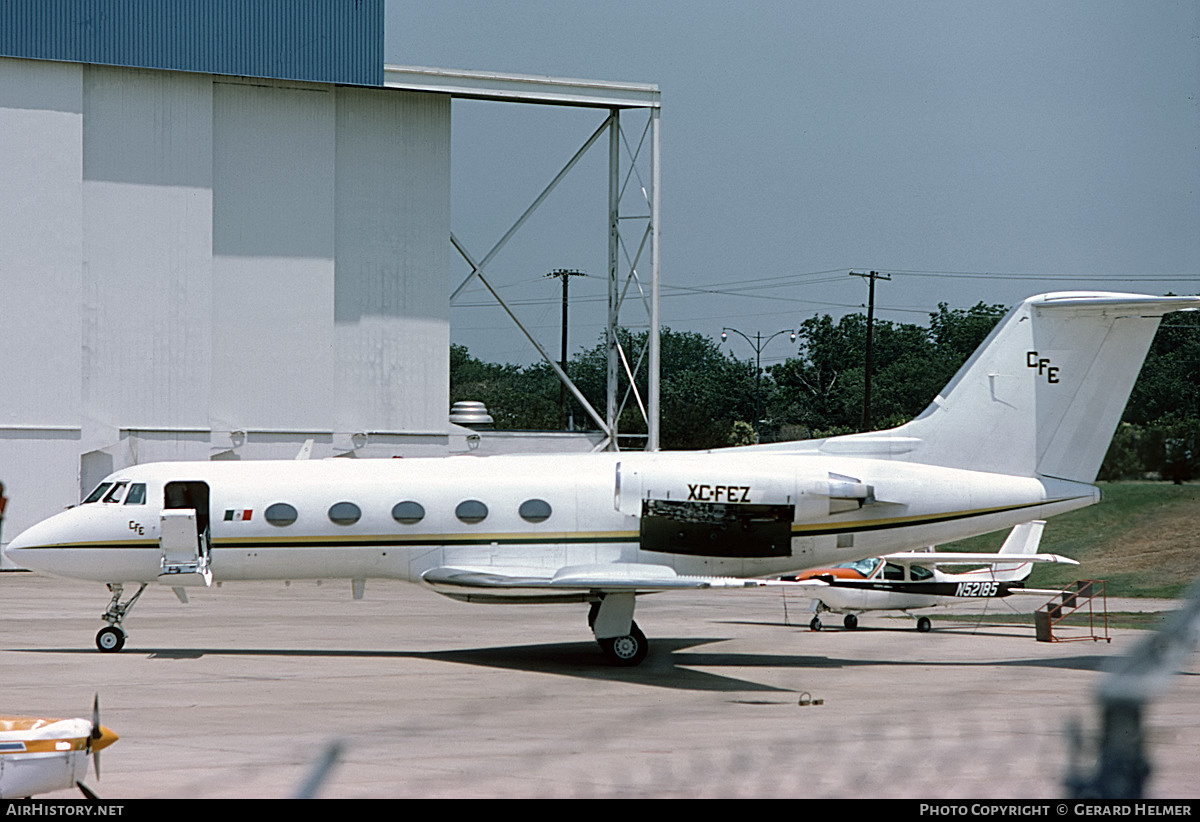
[1040, 397]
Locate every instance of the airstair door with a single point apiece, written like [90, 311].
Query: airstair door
[183, 536]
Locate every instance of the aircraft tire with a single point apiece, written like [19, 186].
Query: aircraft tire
[924, 625]
[850, 621]
[815, 625]
[110, 640]
[626, 651]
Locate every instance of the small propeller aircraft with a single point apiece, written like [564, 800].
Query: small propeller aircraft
[40, 755]
[911, 580]
[1018, 434]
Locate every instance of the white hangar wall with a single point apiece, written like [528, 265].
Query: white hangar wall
[204, 267]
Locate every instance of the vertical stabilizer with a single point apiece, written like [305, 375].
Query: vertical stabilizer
[1042, 395]
[1023, 539]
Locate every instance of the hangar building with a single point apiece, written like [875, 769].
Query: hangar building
[226, 234]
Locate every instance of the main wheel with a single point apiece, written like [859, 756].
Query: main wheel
[815, 625]
[924, 625]
[110, 639]
[850, 621]
[626, 651]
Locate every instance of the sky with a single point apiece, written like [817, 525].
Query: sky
[975, 150]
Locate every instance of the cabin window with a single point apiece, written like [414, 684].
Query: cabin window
[919, 574]
[535, 510]
[98, 493]
[893, 571]
[866, 567]
[115, 494]
[137, 494]
[471, 511]
[281, 514]
[408, 512]
[345, 513]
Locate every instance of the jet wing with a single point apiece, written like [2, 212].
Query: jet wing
[928, 558]
[611, 577]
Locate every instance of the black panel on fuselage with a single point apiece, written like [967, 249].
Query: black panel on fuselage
[714, 529]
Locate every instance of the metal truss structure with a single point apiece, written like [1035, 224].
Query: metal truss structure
[631, 125]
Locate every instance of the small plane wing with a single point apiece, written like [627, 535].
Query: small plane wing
[961, 558]
[610, 577]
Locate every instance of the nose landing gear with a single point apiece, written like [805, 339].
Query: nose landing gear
[112, 639]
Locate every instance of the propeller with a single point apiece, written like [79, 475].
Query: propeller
[98, 739]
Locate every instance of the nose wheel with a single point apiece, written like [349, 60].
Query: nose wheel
[110, 639]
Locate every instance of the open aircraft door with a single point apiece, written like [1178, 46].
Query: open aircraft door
[184, 536]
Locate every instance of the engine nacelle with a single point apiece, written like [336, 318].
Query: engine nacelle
[739, 506]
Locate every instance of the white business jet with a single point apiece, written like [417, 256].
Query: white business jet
[40, 754]
[1018, 434]
[912, 580]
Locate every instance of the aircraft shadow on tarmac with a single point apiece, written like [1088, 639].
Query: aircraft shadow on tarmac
[671, 664]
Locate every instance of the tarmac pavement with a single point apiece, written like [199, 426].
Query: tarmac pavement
[240, 692]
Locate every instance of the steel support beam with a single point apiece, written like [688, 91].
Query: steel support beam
[645, 98]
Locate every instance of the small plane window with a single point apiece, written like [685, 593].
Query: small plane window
[535, 510]
[281, 514]
[893, 571]
[115, 494]
[471, 511]
[137, 494]
[408, 512]
[919, 574]
[98, 493]
[866, 567]
[345, 513]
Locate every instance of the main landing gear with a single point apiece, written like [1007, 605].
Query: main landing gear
[112, 639]
[611, 621]
[849, 620]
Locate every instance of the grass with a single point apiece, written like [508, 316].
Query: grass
[1143, 539]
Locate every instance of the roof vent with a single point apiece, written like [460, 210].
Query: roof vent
[471, 415]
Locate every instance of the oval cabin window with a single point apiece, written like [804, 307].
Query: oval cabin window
[408, 512]
[471, 511]
[534, 510]
[345, 513]
[281, 514]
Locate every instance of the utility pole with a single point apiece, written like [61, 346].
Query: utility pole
[565, 275]
[870, 278]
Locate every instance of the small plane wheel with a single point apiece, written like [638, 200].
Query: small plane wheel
[110, 639]
[924, 625]
[815, 625]
[850, 621]
[626, 651]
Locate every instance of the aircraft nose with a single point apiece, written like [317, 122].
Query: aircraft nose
[31, 546]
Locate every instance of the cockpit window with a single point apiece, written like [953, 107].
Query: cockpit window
[893, 571]
[137, 494]
[98, 493]
[116, 493]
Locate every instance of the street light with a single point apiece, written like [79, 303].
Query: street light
[758, 344]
